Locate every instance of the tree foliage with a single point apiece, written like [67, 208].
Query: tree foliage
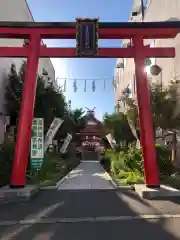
[164, 107]
[117, 125]
[13, 93]
[49, 102]
[78, 118]
[74, 121]
[126, 164]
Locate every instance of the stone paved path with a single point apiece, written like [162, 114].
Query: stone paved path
[88, 175]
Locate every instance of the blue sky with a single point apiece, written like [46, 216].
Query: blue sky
[68, 10]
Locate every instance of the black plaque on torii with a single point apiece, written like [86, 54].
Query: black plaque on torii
[87, 37]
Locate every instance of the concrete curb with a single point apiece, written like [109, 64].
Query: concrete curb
[54, 187]
[151, 193]
[9, 195]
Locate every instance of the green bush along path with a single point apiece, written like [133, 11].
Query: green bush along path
[125, 164]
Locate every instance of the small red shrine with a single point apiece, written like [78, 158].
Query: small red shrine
[90, 139]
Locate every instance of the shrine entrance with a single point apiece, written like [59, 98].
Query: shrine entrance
[90, 155]
[89, 139]
[86, 32]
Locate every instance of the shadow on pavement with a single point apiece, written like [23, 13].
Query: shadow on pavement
[78, 204]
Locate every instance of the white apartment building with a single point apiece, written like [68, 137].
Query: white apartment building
[17, 10]
[155, 10]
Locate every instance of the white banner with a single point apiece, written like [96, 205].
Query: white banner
[37, 139]
[55, 125]
[66, 143]
[111, 140]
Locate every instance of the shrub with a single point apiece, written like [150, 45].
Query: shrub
[129, 159]
[51, 164]
[115, 161]
[133, 159]
[54, 168]
[131, 177]
[118, 163]
[127, 164]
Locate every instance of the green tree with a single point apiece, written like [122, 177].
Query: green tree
[74, 122]
[13, 93]
[49, 102]
[164, 108]
[117, 125]
[77, 116]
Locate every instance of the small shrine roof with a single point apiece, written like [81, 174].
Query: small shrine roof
[93, 125]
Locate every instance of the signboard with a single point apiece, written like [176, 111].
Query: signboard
[37, 143]
[87, 37]
[66, 143]
[111, 140]
[55, 125]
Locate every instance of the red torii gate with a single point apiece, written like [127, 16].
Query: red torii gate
[137, 32]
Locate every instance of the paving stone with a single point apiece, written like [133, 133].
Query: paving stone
[88, 175]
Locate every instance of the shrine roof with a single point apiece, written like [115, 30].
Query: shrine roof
[93, 125]
[92, 118]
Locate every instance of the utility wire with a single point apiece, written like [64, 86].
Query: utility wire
[87, 79]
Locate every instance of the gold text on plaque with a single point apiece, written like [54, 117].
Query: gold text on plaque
[87, 37]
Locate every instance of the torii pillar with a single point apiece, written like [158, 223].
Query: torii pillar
[145, 116]
[18, 178]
